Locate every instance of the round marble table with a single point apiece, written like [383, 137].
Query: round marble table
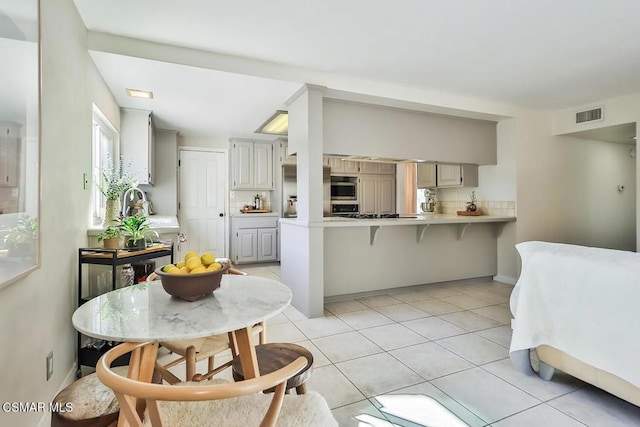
[146, 313]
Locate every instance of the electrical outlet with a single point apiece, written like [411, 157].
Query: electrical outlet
[49, 365]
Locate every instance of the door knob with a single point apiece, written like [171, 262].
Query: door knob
[220, 214]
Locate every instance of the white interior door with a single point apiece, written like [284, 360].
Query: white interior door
[201, 202]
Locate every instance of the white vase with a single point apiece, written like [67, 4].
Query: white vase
[111, 212]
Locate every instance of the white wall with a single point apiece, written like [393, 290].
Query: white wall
[619, 110]
[567, 188]
[35, 312]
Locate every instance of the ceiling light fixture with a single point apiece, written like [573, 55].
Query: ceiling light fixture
[278, 124]
[137, 93]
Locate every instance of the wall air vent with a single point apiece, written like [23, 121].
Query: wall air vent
[589, 115]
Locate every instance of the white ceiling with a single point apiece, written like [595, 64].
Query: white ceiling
[541, 54]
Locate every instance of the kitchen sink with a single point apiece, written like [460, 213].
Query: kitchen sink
[161, 221]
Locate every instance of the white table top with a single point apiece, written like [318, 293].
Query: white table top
[145, 312]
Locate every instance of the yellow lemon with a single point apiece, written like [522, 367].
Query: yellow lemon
[180, 264]
[190, 254]
[199, 269]
[167, 267]
[184, 270]
[173, 270]
[193, 262]
[207, 258]
[214, 266]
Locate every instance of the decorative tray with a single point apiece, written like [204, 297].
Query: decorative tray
[469, 213]
[255, 211]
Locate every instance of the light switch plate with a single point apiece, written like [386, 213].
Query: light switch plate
[85, 181]
[49, 365]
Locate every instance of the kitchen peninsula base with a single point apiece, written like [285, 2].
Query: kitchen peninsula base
[397, 259]
[342, 256]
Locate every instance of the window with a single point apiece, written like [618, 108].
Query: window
[105, 144]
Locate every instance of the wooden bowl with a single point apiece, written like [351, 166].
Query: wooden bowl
[191, 287]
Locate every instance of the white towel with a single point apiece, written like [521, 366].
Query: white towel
[583, 301]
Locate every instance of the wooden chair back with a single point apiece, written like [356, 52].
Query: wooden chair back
[134, 391]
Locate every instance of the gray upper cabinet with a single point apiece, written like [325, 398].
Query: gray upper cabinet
[449, 175]
[137, 142]
[426, 175]
[445, 175]
[343, 167]
[9, 155]
[251, 165]
[377, 168]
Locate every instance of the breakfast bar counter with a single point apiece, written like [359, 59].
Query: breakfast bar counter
[417, 219]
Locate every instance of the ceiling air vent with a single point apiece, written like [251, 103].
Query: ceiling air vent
[589, 115]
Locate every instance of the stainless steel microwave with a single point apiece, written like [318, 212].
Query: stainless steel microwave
[344, 188]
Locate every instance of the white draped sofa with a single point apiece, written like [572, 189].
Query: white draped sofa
[579, 307]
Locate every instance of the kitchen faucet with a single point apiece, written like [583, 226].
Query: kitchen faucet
[129, 193]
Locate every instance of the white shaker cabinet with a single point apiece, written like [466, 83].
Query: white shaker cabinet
[251, 165]
[377, 194]
[137, 141]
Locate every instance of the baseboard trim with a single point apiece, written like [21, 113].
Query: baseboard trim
[336, 298]
[45, 421]
[505, 279]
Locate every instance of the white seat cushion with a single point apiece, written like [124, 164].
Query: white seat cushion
[309, 409]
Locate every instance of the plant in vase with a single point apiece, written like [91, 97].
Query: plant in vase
[113, 183]
[471, 206]
[110, 237]
[21, 239]
[137, 231]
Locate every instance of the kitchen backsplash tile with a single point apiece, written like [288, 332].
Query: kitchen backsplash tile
[242, 198]
[488, 207]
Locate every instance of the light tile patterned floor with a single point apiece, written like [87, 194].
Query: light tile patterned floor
[448, 341]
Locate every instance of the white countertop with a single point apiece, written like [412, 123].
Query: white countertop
[418, 219]
[145, 312]
[160, 223]
[249, 215]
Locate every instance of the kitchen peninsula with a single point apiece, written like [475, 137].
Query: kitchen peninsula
[363, 255]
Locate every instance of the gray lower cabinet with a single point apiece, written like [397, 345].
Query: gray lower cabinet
[254, 239]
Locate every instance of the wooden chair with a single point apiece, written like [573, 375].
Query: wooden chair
[206, 403]
[193, 351]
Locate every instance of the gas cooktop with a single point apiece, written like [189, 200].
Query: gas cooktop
[372, 216]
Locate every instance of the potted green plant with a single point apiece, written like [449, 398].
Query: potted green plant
[21, 239]
[114, 182]
[137, 231]
[110, 237]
